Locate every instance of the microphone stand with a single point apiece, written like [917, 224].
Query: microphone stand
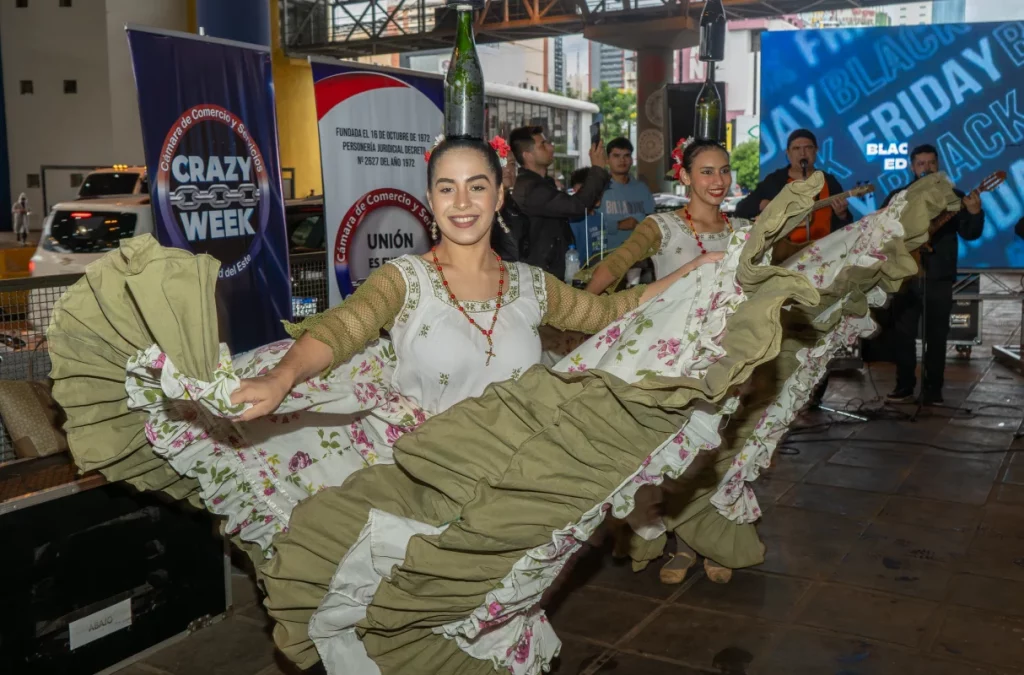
[924, 341]
[803, 168]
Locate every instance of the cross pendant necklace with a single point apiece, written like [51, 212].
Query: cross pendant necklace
[486, 332]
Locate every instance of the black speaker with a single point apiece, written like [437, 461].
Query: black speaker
[680, 100]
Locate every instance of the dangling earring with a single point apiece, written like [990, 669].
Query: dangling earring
[501, 223]
[433, 231]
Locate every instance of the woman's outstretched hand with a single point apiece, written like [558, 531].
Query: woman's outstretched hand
[708, 258]
[264, 394]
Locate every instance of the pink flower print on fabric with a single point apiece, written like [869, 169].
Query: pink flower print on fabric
[299, 461]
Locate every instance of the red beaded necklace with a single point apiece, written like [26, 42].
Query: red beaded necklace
[689, 221]
[494, 319]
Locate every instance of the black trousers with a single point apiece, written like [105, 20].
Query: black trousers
[932, 300]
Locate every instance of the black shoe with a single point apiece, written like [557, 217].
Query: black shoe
[932, 398]
[901, 396]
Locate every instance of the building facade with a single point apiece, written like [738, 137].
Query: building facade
[610, 65]
[949, 11]
[910, 13]
[68, 88]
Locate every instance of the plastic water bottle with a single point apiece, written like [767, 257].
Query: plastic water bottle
[572, 264]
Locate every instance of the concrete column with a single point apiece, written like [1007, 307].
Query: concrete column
[241, 20]
[654, 71]
[654, 43]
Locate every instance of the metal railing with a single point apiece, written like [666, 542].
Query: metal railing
[26, 306]
[25, 309]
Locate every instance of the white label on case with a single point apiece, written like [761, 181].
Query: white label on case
[100, 624]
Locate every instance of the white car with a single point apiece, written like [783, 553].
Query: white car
[77, 233]
[116, 180]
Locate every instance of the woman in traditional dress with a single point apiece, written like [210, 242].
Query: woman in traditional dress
[672, 240]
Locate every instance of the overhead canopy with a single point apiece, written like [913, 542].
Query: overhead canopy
[350, 28]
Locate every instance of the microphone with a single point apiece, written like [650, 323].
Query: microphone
[803, 167]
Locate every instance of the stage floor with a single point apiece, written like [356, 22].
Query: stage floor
[887, 555]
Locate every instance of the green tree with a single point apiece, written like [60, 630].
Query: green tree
[618, 107]
[746, 162]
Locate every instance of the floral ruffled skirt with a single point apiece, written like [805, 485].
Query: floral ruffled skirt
[434, 554]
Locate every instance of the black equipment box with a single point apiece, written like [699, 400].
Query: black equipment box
[964, 323]
[94, 573]
[965, 319]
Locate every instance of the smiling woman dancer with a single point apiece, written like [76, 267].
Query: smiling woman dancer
[458, 300]
[672, 240]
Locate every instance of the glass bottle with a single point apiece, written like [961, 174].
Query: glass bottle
[707, 118]
[712, 31]
[464, 82]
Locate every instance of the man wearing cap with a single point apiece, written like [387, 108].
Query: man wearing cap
[802, 152]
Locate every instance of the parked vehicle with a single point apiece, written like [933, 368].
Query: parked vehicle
[77, 233]
[666, 201]
[114, 181]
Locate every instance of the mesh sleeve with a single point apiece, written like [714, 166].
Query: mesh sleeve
[641, 245]
[348, 327]
[574, 309]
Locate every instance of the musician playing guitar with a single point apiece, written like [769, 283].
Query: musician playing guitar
[933, 286]
[802, 153]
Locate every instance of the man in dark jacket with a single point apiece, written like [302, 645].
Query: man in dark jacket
[930, 293]
[549, 210]
[802, 153]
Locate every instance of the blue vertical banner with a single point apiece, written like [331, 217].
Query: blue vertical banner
[209, 132]
[872, 94]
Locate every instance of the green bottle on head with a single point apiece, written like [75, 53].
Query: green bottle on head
[464, 82]
[707, 119]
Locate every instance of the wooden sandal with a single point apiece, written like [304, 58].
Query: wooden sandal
[717, 574]
[674, 571]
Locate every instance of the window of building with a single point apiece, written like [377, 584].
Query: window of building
[77, 179]
[26, 87]
[70, 86]
[573, 133]
[21, 4]
[64, 3]
[32, 180]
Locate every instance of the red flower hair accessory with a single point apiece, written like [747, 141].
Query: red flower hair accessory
[677, 158]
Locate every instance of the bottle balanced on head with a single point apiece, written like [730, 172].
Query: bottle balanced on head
[464, 82]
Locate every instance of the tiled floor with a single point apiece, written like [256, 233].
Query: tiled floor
[894, 548]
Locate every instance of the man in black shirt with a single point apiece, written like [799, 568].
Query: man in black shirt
[548, 209]
[931, 292]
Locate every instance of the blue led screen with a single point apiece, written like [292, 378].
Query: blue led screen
[872, 94]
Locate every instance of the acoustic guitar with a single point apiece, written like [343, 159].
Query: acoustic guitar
[787, 247]
[990, 183]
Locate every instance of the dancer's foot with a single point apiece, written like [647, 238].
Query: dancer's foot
[718, 574]
[674, 571]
